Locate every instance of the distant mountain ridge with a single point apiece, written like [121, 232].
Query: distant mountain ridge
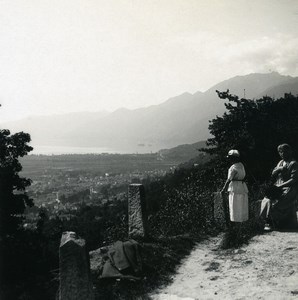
[179, 120]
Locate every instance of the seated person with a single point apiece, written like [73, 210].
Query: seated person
[285, 176]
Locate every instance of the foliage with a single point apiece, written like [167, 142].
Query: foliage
[15, 256]
[187, 204]
[255, 128]
[13, 198]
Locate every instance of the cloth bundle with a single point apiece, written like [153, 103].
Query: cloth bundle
[124, 261]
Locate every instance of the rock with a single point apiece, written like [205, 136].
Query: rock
[98, 258]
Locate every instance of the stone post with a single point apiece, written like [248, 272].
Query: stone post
[256, 221]
[75, 279]
[255, 209]
[218, 211]
[137, 217]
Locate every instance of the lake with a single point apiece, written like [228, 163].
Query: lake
[57, 150]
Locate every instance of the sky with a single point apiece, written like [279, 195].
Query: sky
[60, 56]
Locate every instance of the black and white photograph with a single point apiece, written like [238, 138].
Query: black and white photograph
[148, 149]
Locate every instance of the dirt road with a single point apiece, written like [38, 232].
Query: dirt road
[267, 268]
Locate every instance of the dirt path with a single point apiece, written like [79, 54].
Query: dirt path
[267, 268]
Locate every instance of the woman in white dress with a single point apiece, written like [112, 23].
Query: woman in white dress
[238, 192]
[237, 188]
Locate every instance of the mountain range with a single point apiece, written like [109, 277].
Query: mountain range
[179, 120]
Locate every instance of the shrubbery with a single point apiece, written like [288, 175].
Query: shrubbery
[187, 204]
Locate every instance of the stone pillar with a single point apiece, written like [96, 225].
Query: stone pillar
[75, 279]
[137, 218]
[219, 212]
[256, 222]
[255, 209]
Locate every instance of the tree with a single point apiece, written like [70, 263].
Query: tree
[256, 128]
[17, 245]
[13, 198]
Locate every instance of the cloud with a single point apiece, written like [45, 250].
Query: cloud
[278, 53]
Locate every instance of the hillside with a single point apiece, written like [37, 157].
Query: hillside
[179, 120]
[278, 91]
[183, 153]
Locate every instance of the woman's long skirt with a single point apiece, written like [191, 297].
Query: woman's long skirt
[238, 206]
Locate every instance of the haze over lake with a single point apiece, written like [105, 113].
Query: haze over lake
[59, 150]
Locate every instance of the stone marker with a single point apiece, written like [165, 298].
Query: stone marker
[218, 212]
[255, 209]
[75, 280]
[256, 222]
[137, 218]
